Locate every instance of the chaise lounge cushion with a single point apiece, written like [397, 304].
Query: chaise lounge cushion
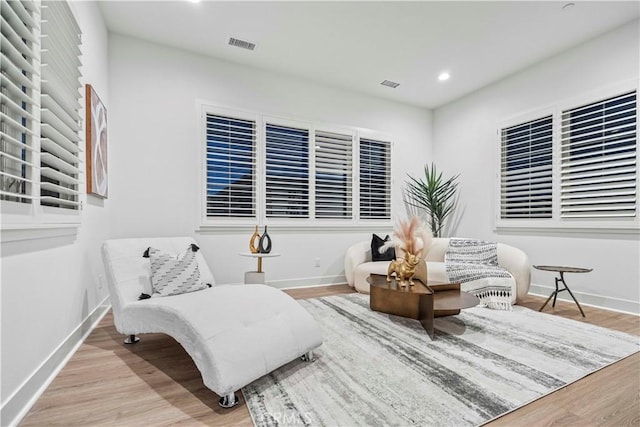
[234, 333]
[232, 340]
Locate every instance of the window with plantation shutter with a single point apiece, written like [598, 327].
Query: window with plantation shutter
[230, 167]
[574, 167]
[599, 159]
[19, 65]
[60, 107]
[281, 172]
[333, 175]
[40, 124]
[526, 172]
[375, 179]
[287, 172]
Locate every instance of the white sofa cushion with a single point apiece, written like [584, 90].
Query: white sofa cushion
[436, 272]
[362, 271]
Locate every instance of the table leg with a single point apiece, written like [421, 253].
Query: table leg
[571, 293]
[425, 313]
[555, 293]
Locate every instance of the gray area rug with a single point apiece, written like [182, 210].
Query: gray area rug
[375, 369]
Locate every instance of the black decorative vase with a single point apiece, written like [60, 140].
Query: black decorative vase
[264, 246]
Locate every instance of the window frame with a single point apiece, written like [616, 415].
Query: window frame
[34, 220]
[261, 193]
[606, 158]
[557, 223]
[355, 197]
[222, 224]
[383, 138]
[239, 114]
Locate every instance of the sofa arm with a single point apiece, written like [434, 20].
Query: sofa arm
[356, 255]
[517, 263]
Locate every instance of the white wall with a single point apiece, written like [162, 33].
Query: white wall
[465, 142]
[51, 290]
[155, 148]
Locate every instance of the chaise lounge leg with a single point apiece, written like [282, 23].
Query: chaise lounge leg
[131, 339]
[308, 356]
[229, 400]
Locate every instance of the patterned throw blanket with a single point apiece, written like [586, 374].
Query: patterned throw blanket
[474, 263]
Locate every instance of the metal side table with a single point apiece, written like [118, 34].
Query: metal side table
[561, 270]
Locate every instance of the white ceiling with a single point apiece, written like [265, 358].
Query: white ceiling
[357, 45]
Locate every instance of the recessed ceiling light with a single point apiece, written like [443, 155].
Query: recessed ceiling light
[389, 83]
[444, 76]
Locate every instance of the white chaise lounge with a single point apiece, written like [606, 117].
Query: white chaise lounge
[235, 334]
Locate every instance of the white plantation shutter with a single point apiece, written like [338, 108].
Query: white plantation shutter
[283, 172]
[375, 179]
[60, 107]
[526, 172]
[287, 172]
[333, 175]
[18, 100]
[599, 160]
[231, 167]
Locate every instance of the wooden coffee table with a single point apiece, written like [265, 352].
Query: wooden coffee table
[421, 302]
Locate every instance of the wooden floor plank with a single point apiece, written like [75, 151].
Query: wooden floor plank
[155, 382]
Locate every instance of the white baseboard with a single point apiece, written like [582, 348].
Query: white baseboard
[304, 282]
[599, 301]
[20, 402]
[307, 282]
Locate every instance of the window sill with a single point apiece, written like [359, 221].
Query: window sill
[310, 228]
[20, 232]
[570, 230]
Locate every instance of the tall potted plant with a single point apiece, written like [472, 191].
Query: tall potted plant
[435, 195]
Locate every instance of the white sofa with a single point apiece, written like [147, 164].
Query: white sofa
[358, 266]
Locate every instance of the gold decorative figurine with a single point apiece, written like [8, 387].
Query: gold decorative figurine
[412, 240]
[252, 242]
[404, 269]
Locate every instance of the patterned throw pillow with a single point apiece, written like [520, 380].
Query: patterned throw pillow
[174, 274]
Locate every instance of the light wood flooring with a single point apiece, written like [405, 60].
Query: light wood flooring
[156, 383]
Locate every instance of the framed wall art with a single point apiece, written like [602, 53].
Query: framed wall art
[96, 123]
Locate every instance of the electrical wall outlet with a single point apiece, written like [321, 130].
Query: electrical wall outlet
[317, 262]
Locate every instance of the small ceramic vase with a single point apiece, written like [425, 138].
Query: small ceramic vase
[264, 246]
[252, 242]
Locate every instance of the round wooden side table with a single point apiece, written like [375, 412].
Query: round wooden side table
[561, 270]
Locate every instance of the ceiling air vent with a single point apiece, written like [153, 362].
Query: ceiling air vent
[241, 43]
[390, 84]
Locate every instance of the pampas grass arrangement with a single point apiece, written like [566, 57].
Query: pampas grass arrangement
[410, 237]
